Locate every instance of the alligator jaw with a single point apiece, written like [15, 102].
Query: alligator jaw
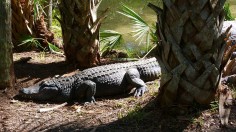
[29, 92]
[38, 92]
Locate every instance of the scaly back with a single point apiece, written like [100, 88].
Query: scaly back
[142, 65]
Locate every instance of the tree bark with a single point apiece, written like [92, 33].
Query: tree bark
[6, 64]
[24, 25]
[48, 11]
[22, 22]
[80, 31]
[192, 48]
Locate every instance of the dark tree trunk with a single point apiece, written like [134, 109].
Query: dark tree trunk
[6, 64]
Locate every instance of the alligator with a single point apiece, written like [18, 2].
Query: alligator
[106, 80]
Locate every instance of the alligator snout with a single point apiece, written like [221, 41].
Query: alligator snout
[22, 91]
[27, 91]
[30, 90]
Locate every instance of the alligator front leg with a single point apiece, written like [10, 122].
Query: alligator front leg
[87, 89]
[133, 77]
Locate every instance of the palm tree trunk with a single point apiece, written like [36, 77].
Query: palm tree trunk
[22, 21]
[41, 31]
[191, 52]
[80, 31]
[25, 24]
[6, 64]
[48, 10]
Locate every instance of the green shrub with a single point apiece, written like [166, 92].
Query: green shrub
[228, 14]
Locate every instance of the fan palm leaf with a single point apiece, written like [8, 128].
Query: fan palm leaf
[142, 31]
[110, 39]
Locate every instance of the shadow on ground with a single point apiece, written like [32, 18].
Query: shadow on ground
[150, 118]
[29, 71]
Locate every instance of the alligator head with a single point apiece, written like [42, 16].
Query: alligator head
[46, 90]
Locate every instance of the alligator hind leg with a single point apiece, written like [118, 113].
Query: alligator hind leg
[133, 77]
[87, 88]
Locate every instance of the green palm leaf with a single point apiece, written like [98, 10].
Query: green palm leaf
[141, 28]
[110, 39]
[31, 42]
[38, 8]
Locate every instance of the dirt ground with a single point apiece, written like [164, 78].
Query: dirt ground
[119, 113]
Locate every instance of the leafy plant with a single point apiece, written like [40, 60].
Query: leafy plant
[214, 105]
[228, 14]
[53, 48]
[142, 31]
[38, 8]
[30, 41]
[56, 28]
[110, 39]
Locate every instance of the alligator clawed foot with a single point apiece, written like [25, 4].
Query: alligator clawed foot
[90, 101]
[139, 91]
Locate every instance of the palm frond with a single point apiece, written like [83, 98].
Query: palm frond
[38, 8]
[110, 39]
[53, 48]
[141, 28]
[31, 41]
